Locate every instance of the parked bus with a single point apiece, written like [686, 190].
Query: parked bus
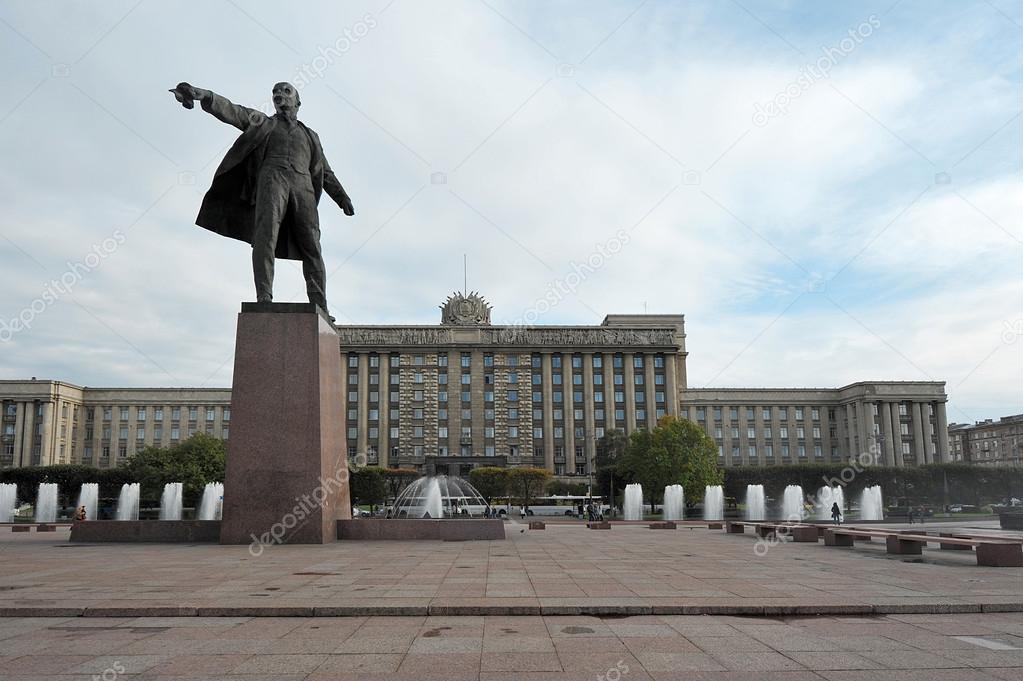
[554, 505]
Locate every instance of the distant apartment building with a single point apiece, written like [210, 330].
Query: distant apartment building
[990, 442]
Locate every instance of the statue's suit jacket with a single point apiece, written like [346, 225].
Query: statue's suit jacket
[229, 206]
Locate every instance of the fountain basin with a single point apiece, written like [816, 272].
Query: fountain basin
[164, 531]
[454, 529]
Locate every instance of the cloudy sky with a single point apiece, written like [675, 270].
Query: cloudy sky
[830, 192]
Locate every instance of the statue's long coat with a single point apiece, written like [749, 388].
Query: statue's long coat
[229, 206]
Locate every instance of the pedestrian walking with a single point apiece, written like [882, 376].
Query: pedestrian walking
[836, 513]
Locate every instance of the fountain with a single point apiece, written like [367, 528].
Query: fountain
[128, 502]
[212, 504]
[8, 501]
[755, 502]
[826, 498]
[46, 503]
[713, 503]
[170, 501]
[792, 503]
[871, 506]
[88, 497]
[674, 503]
[438, 497]
[632, 506]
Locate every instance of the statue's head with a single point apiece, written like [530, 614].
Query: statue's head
[285, 97]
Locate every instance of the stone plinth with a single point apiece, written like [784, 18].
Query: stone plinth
[404, 528]
[287, 473]
[163, 531]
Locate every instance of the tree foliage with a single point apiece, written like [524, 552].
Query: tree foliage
[490, 481]
[527, 483]
[676, 451]
[368, 485]
[397, 479]
[196, 461]
[610, 450]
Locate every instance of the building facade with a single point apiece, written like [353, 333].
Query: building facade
[446, 398]
[990, 442]
[51, 422]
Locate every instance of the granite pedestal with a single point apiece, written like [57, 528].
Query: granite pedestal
[287, 475]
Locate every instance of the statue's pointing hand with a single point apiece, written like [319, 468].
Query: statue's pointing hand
[186, 94]
[347, 207]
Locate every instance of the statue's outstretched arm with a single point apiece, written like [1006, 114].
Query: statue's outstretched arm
[237, 115]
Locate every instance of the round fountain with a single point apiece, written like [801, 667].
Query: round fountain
[792, 503]
[714, 503]
[755, 502]
[632, 506]
[46, 503]
[128, 502]
[8, 501]
[674, 502]
[439, 496]
[88, 497]
[828, 497]
[871, 506]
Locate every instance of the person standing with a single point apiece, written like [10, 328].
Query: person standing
[836, 513]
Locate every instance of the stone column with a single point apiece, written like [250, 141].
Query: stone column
[607, 362]
[897, 433]
[363, 439]
[548, 412]
[568, 390]
[919, 446]
[889, 434]
[476, 389]
[850, 430]
[630, 392]
[21, 418]
[650, 389]
[865, 427]
[46, 453]
[671, 394]
[944, 455]
[589, 421]
[384, 405]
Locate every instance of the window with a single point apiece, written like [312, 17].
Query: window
[417, 377]
[641, 414]
[535, 361]
[175, 433]
[618, 362]
[767, 432]
[353, 379]
[488, 432]
[513, 431]
[598, 379]
[640, 397]
[556, 361]
[598, 397]
[513, 395]
[619, 396]
[799, 413]
[418, 360]
[417, 413]
[815, 413]
[749, 413]
[124, 433]
[353, 361]
[353, 433]
[442, 431]
[800, 433]
[751, 433]
[467, 414]
[140, 434]
[816, 432]
[513, 377]
[638, 379]
[537, 379]
[537, 432]
[783, 413]
[733, 413]
[512, 360]
[211, 413]
[466, 396]
[783, 432]
[394, 432]
[801, 449]
[659, 379]
[374, 360]
[752, 451]
[417, 395]
[637, 362]
[768, 451]
[466, 359]
[193, 413]
[556, 379]
[488, 396]
[488, 359]
[395, 361]
[141, 414]
[619, 379]
[442, 379]
[513, 414]
[417, 431]
[598, 361]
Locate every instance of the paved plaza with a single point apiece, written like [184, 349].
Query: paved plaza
[565, 569]
[562, 603]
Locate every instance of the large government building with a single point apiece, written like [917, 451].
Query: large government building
[448, 397]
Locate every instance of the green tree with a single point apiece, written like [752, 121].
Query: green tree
[561, 488]
[397, 479]
[528, 482]
[676, 451]
[368, 485]
[610, 450]
[196, 461]
[490, 481]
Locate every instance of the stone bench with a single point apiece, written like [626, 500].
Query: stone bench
[665, 525]
[46, 528]
[715, 526]
[20, 528]
[537, 525]
[599, 526]
[991, 552]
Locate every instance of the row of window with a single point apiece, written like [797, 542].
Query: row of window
[465, 360]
